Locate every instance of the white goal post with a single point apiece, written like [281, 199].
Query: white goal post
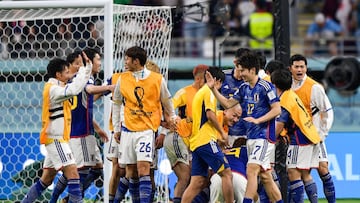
[33, 32]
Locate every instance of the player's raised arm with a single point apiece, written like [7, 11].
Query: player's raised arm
[225, 102]
[59, 93]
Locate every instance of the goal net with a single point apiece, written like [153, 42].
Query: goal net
[32, 33]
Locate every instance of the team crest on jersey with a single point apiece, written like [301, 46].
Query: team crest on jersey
[256, 97]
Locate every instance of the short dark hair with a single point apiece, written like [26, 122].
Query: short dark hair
[274, 65]
[217, 73]
[55, 65]
[262, 59]
[72, 56]
[136, 52]
[282, 79]
[90, 53]
[249, 60]
[297, 57]
[240, 52]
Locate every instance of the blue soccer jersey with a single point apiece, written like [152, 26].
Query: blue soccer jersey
[82, 113]
[257, 102]
[237, 158]
[294, 132]
[228, 88]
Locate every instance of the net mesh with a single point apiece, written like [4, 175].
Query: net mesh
[145, 27]
[29, 39]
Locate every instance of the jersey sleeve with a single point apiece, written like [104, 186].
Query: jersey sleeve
[179, 98]
[116, 108]
[58, 93]
[166, 101]
[271, 94]
[323, 114]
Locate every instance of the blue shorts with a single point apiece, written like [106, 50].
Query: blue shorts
[209, 155]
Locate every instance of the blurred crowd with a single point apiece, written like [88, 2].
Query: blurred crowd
[193, 22]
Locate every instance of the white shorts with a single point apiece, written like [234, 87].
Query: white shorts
[85, 150]
[175, 149]
[302, 157]
[154, 163]
[113, 148]
[239, 185]
[136, 146]
[261, 152]
[58, 155]
[98, 157]
[323, 156]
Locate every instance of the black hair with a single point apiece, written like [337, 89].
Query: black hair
[297, 57]
[217, 73]
[274, 65]
[262, 59]
[56, 65]
[137, 53]
[240, 52]
[249, 60]
[72, 56]
[90, 53]
[282, 79]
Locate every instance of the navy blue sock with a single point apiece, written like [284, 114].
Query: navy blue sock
[145, 188]
[134, 190]
[111, 198]
[247, 200]
[264, 198]
[177, 200]
[311, 191]
[203, 196]
[59, 188]
[296, 191]
[329, 188]
[121, 189]
[83, 174]
[75, 194]
[34, 192]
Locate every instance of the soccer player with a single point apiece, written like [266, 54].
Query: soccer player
[75, 61]
[118, 184]
[261, 106]
[237, 158]
[231, 84]
[206, 152]
[83, 128]
[319, 107]
[176, 149]
[302, 153]
[55, 132]
[144, 95]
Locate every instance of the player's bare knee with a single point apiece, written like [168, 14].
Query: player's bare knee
[323, 168]
[266, 177]
[143, 168]
[252, 170]
[71, 172]
[48, 176]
